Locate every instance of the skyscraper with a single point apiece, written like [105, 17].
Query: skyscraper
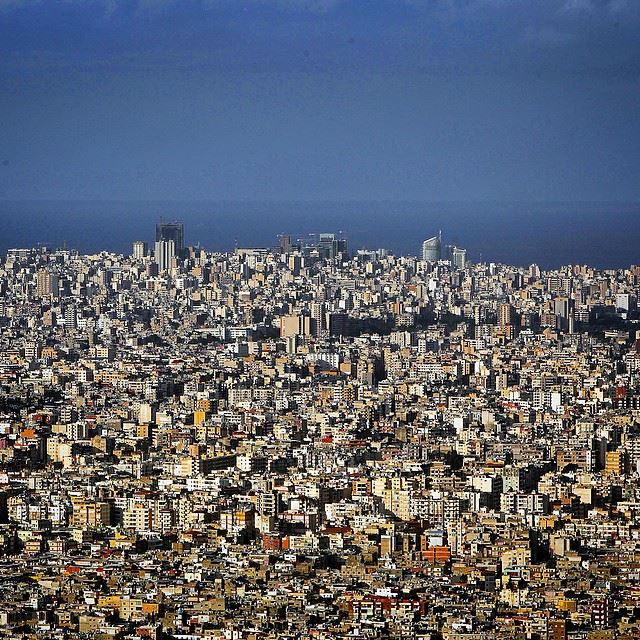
[165, 251]
[458, 257]
[173, 231]
[140, 249]
[331, 245]
[285, 243]
[432, 248]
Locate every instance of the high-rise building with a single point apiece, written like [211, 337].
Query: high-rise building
[165, 252]
[318, 318]
[173, 231]
[506, 314]
[140, 249]
[458, 257]
[600, 613]
[432, 248]
[340, 247]
[70, 317]
[47, 284]
[332, 246]
[285, 244]
[295, 325]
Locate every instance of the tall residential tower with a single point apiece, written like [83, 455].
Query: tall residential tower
[432, 248]
[173, 231]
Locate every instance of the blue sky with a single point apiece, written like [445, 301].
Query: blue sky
[320, 99]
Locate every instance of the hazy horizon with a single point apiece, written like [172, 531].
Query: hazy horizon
[604, 235]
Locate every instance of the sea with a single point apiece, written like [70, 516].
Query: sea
[603, 235]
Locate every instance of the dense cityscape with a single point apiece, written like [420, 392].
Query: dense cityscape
[308, 442]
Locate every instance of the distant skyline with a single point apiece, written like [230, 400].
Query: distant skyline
[436, 100]
[551, 234]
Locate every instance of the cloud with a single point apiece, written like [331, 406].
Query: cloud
[624, 8]
[276, 34]
[311, 6]
[107, 7]
[315, 6]
[155, 5]
[458, 8]
[578, 6]
[618, 6]
[8, 5]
